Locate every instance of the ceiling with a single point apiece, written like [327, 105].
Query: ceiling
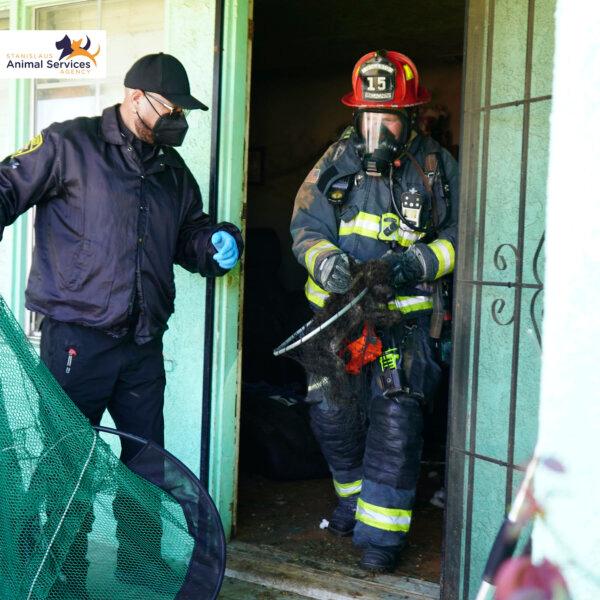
[309, 35]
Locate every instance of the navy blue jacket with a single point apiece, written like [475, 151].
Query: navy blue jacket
[366, 215]
[109, 226]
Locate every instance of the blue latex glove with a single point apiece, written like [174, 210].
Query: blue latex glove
[227, 251]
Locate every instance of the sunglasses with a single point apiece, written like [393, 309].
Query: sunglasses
[173, 110]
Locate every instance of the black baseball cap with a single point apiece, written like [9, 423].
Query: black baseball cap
[163, 74]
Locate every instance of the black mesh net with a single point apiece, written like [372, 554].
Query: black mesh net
[75, 522]
[320, 345]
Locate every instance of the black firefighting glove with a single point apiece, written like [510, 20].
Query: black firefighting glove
[333, 273]
[406, 267]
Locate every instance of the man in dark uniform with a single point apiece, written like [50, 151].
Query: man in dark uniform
[382, 190]
[116, 208]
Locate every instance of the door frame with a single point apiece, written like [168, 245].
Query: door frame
[224, 395]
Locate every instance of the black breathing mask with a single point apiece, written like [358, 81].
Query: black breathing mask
[169, 129]
[383, 138]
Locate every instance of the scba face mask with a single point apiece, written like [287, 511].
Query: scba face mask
[383, 138]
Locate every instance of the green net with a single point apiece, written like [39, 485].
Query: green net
[75, 523]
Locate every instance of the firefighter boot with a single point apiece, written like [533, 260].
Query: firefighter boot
[343, 518]
[380, 559]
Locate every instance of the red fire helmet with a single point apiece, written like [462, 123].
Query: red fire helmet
[385, 79]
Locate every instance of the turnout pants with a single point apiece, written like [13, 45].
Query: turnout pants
[373, 447]
[99, 372]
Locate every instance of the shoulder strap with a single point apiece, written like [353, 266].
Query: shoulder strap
[434, 167]
[421, 173]
[431, 167]
[428, 183]
[440, 172]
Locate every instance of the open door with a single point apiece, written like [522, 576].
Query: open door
[302, 63]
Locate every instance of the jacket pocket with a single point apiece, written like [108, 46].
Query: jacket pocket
[81, 266]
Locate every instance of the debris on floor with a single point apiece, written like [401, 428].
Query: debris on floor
[297, 528]
[439, 498]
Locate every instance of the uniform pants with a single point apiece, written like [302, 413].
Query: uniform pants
[128, 380]
[373, 447]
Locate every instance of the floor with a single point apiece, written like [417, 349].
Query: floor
[286, 516]
[233, 589]
[318, 577]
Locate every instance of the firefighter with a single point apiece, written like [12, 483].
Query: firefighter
[381, 190]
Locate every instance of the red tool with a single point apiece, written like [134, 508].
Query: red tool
[362, 351]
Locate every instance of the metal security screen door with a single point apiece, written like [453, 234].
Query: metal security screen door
[499, 287]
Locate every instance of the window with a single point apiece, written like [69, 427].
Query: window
[4, 101]
[5, 149]
[133, 27]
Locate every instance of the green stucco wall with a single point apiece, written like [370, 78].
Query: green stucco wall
[499, 283]
[189, 26]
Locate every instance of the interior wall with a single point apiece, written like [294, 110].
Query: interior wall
[294, 118]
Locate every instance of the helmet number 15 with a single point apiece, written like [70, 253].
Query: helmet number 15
[380, 82]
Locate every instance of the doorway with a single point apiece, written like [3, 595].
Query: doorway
[301, 66]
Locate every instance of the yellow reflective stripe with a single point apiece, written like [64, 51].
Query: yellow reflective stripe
[363, 223]
[379, 525]
[314, 252]
[409, 304]
[406, 237]
[389, 512]
[316, 294]
[347, 489]
[444, 252]
[373, 227]
[388, 519]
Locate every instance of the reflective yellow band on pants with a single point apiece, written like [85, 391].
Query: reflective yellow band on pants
[388, 519]
[410, 304]
[444, 252]
[316, 294]
[344, 490]
[310, 258]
